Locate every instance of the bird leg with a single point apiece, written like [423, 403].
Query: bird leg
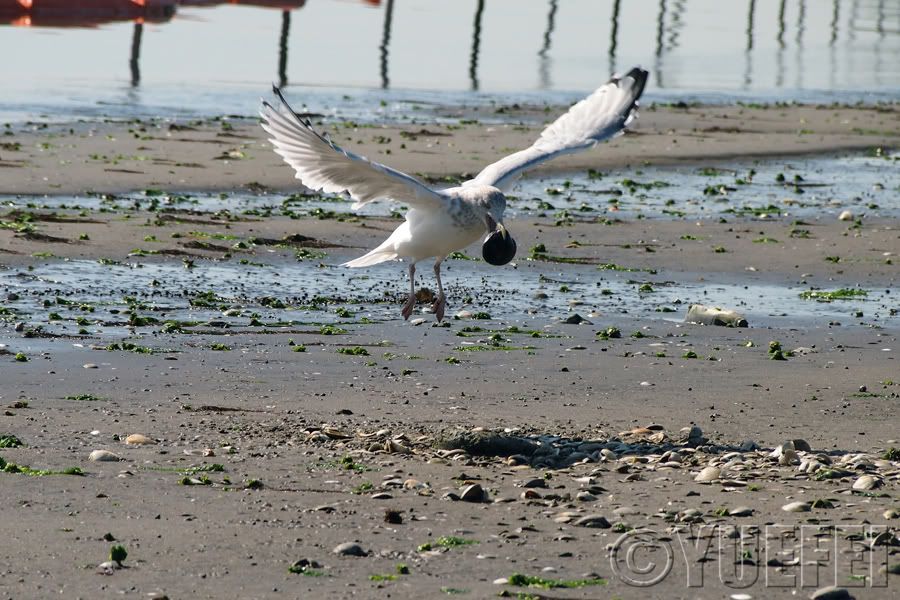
[440, 304]
[411, 301]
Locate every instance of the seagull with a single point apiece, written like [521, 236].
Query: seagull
[440, 222]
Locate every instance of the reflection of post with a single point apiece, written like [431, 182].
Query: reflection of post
[832, 54]
[748, 70]
[282, 47]
[544, 64]
[660, 28]
[136, 54]
[614, 37]
[677, 22]
[801, 28]
[476, 42]
[385, 40]
[779, 55]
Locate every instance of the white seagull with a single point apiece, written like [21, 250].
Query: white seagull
[439, 222]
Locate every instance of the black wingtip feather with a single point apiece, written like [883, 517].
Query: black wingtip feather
[640, 80]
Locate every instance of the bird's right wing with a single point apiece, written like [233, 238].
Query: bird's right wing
[600, 116]
[321, 165]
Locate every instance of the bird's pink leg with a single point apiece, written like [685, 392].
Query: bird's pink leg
[411, 301]
[440, 305]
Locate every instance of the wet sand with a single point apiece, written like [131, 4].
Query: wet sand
[315, 445]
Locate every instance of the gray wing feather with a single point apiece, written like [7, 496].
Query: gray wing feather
[602, 115]
[322, 165]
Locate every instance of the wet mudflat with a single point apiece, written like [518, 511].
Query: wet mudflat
[192, 376]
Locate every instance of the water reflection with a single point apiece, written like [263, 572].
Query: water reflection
[478, 45]
[385, 40]
[544, 60]
[60, 13]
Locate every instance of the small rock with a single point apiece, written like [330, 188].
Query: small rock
[741, 511]
[893, 569]
[867, 482]
[349, 549]
[381, 496]
[797, 507]
[473, 493]
[501, 581]
[103, 456]
[575, 319]
[585, 497]
[535, 483]
[801, 445]
[90, 366]
[831, 593]
[708, 315]
[139, 439]
[107, 568]
[709, 474]
[595, 521]
[845, 216]
[788, 457]
[891, 513]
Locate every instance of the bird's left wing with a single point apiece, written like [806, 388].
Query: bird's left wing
[600, 116]
[321, 165]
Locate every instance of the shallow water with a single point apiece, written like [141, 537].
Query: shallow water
[348, 56]
[314, 293]
[818, 187]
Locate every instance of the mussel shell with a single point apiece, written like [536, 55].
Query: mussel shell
[498, 250]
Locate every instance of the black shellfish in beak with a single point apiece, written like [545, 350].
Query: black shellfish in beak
[498, 247]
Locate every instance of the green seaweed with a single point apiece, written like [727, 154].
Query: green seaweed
[519, 580]
[829, 296]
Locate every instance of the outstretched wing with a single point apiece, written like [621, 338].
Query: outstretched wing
[600, 116]
[323, 166]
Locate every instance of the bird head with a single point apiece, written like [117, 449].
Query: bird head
[495, 206]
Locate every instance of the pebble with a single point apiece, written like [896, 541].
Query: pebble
[801, 445]
[867, 482]
[575, 319]
[90, 366]
[741, 511]
[103, 456]
[349, 549]
[831, 593]
[595, 521]
[107, 568]
[138, 439]
[473, 493]
[535, 483]
[797, 507]
[891, 513]
[845, 216]
[585, 497]
[709, 474]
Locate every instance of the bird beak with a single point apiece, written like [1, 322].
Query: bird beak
[503, 232]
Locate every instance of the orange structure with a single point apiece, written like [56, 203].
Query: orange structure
[83, 13]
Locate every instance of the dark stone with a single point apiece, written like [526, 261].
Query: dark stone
[483, 443]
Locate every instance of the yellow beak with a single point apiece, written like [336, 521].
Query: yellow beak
[502, 230]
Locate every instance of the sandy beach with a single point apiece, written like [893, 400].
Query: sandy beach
[286, 412]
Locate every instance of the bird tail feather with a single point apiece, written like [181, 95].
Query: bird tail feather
[374, 257]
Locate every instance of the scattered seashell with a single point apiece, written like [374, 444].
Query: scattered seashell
[139, 439]
[103, 456]
[709, 474]
[797, 507]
